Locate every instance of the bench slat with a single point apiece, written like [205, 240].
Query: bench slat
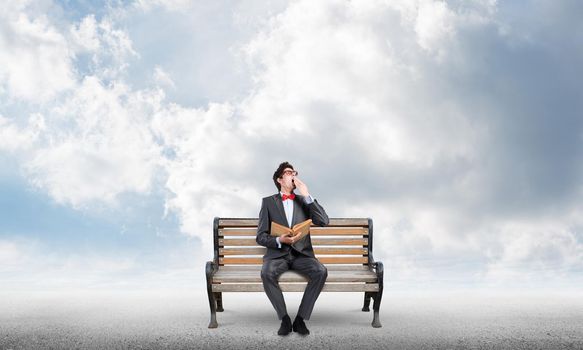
[297, 287]
[257, 268]
[293, 276]
[315, 241]
[226, 222]
[324, 260]
[317, 251]
[314, 231]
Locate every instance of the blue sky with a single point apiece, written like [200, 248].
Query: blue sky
[125, 127]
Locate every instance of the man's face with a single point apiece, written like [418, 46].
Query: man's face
[286, 179]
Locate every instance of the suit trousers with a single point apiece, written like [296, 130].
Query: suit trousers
[305, 265]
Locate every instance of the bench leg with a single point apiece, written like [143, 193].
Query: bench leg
[219, 298]
[213, 323]
[366, 306]
[212, 301]
[376, 323]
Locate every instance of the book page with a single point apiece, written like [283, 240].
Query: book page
[302, 229]
[279, 230]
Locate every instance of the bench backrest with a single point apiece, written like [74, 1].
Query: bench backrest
[346, 241]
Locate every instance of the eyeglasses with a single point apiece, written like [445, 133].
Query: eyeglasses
[290, 172]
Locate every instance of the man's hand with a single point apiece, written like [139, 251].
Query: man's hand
[301, 186]
[287, 239]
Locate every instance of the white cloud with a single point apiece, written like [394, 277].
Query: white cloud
[109, 47]
[206, 170]
[162, 78]
[90, 140]
[11, 254]
[536, 253]
[114, 59]
[172, 5]
[434, 25]
[97, 146]
[35, 59]
[85, 35]
[336, 68]
[14, 138]
[32, 265]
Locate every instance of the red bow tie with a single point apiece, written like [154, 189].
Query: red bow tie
[285, 196]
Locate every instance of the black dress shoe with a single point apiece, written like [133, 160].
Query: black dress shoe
[286, 326]
[300, 327]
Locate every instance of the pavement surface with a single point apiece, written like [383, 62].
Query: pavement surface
[178, 320]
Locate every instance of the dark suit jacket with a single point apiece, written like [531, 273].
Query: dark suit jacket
[272, 210]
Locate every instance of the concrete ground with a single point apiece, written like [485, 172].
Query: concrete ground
[178, 320]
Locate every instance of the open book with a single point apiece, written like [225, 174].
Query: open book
[299, 230]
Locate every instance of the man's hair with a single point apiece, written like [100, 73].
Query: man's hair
[279, 173]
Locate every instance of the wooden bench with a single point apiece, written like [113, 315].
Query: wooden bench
[344, 247]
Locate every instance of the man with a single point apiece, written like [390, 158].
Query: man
[286, 252]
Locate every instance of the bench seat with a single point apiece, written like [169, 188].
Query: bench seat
[249, 280]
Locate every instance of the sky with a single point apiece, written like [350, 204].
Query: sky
[127, 126]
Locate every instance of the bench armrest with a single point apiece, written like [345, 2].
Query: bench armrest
[371, 262]
[379, 269]
[210, 269]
